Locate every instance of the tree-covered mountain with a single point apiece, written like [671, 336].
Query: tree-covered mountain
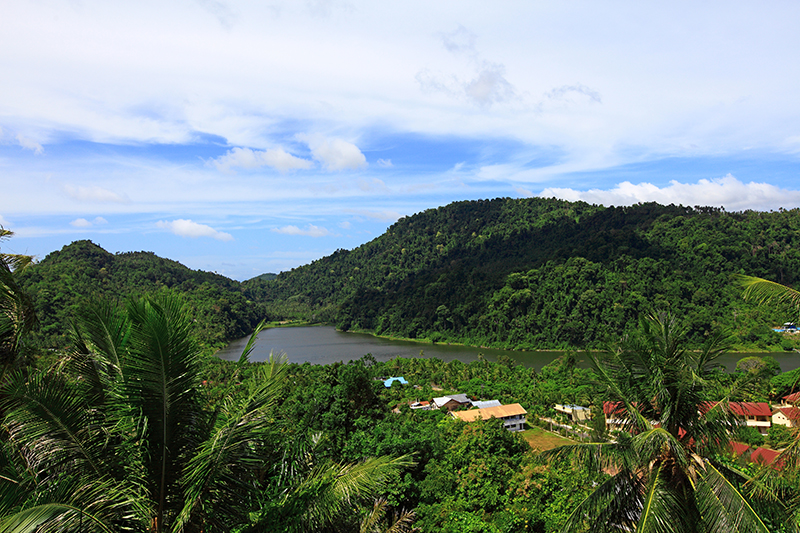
[516, 273]
[546, 273]
[66, 279]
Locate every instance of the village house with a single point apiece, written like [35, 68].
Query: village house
[786, 416]
[486, 403]
[451, 402]
[513, 416]
[576, 413]
[757, 415]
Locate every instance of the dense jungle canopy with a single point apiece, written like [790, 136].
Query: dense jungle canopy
[513, 273]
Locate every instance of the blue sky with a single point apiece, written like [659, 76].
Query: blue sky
[250, 137]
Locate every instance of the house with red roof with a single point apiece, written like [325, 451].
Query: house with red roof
[791, 398]
[786, 416]
[767, 457]
[756, 414]
[739, 449]
[615, 414]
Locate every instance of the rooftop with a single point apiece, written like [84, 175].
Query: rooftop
[501, 411]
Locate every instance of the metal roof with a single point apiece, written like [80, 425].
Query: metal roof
[502, 411]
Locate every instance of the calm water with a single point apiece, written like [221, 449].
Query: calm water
[324, 345]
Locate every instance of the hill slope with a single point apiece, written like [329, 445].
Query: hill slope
[64, 279]
[545, 273]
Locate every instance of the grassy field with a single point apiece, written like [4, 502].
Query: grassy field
[541, 440]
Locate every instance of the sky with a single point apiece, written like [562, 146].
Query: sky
[245, 137]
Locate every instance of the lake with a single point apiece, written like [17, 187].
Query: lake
[324, 345]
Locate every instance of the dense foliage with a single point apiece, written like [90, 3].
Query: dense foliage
[64, 280]
[512, 273]
[546, 273]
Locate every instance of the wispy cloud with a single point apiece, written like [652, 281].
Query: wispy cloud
[95, 194]
[385, 216]
[333, 153]
[310, 231]
[187, 228]
[373, 185]
[485, 86]
[276, 158]
[83, 223]
[560, 93]
[727, 192]
[384, 163]
[30, 144]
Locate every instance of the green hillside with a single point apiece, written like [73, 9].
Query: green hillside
[65, 279]
[515, 273]
[546, 273]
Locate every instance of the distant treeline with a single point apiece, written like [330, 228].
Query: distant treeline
[546, 273]
[514, 273]
[82, 271]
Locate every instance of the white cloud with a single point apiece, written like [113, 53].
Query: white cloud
[385, 163]
[335, 154]
[460, 41]
[489, 86]
[560, 93]
[187, 228]
[310, 231]
[385, 216]
[3, 221]
[727, 192]
[373, 185]
[30, 144]
[525, 193]
[276, 158]
[345, 224]
[95, 194]
[83, 223]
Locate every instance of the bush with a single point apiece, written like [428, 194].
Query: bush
[750, 436]
[780, 437]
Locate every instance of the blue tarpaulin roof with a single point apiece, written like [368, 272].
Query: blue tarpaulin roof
[388, 382]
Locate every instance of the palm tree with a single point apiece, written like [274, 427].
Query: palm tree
[764, 291]
[661, 473]
[119, 438]
[17, 316]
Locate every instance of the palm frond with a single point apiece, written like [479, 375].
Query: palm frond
[764, 291]
[251, 343]
[663, 510]
[724, 507]
[615, 505]
[227, 461]
[161, 378]
[46, 416]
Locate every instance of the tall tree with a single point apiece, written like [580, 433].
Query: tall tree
[17, 316]
[662, 475]
[120, 438]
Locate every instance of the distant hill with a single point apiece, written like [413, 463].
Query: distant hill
[546, 273]
[265, 277]
[65, 279]
[515, 273]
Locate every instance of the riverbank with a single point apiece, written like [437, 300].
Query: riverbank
[744, 350]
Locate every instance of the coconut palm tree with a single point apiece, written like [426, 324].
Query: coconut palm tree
[17, 315]
[661, 473]
[119, 437]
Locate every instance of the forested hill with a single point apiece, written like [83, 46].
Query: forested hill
[65, 279]
[546, 273]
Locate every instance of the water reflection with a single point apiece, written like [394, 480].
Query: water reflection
[324, 345]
